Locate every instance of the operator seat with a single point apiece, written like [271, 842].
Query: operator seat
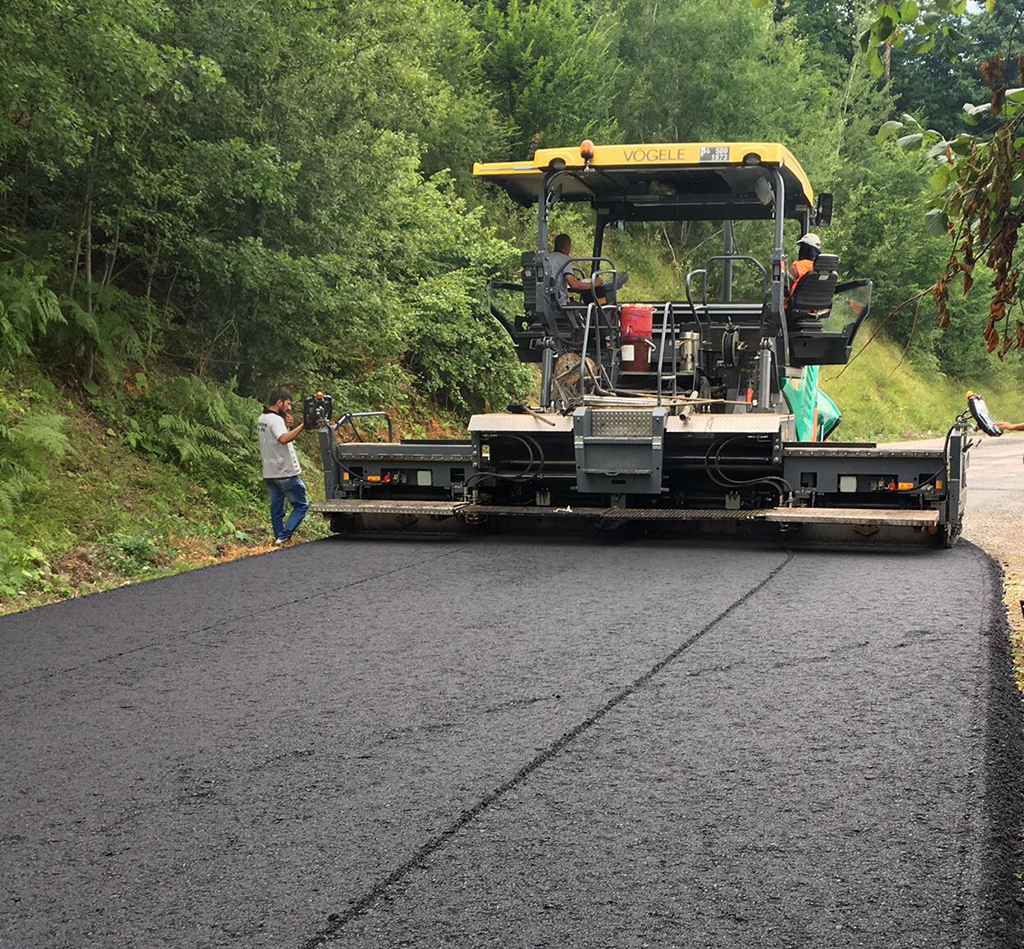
[540, 295]
[812, 299]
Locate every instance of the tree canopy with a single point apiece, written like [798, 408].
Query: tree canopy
[280, 190]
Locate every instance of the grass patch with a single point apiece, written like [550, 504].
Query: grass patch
[104, 515]
[881, 399]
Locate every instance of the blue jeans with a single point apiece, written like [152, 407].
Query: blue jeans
[293, 489]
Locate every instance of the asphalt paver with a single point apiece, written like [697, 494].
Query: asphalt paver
[517, 742]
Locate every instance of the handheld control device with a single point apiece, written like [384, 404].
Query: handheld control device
[982, 415]
[316, 411]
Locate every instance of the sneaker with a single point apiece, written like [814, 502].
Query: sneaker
[281, 541]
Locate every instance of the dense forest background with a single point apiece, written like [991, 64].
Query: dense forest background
[202, 199]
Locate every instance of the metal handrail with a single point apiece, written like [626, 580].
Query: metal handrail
[601, 373]
[689, 297]
[349, 416]
[583, 352]
[591, 307]
[675, 349]
[732, 258]
[661, 349]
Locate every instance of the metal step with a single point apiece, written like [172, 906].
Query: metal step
[825, 451]
[361, 506]
[400, 454]
[452, 508]
[868, 517]
[612, 513]
[857, 516]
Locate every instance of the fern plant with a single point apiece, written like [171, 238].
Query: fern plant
[204, 428]
[27, 309]
[28, 450]
[31, 444]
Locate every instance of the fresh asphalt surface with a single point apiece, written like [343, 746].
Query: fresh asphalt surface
[505, 742]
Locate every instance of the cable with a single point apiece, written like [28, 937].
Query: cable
[929, 482]
[723, 480]
[527, 474]
[353, 477]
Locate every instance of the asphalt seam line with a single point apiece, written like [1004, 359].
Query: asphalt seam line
[177, 637]
[338, 921]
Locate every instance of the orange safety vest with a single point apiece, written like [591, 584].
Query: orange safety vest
[799, 270]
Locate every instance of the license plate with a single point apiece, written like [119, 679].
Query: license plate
[714, 153]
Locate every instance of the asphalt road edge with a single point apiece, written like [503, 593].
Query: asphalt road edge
[997, 919]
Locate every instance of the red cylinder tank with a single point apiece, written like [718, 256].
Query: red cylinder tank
[636, 323]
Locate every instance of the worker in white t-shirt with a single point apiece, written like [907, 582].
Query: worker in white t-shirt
[280, 465]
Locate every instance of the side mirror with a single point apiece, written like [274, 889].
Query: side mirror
[823, 212]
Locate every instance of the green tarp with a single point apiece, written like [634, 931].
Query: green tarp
[815, 413]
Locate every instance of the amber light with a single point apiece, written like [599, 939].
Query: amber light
[587, 150]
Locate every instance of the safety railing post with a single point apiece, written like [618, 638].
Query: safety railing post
[670, 314]
[661, 352]
[583, 352]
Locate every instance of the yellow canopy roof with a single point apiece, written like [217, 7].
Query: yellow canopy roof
[689, 179]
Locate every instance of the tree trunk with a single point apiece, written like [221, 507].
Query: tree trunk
[89, 359]
[108, 270]
[86, 205]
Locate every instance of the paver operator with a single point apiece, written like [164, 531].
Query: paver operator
[808, 248]
[565, 277]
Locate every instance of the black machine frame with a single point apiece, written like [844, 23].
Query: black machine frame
[700, 436]
[782, 338]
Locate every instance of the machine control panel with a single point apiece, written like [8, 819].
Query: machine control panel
[316, 411]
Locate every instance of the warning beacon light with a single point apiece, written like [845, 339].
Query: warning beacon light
[587, 150]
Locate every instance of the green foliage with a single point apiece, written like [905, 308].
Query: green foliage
[552, 67]
[130, 554]
[279, 192]
[31, 442]
[202, 201]
[206, 430]
[27, 309]
[883, 396]
[979, 178]
[21, 566]
[887, 238]
[719, 72]
[937, 27]
[258, 190]
[827, 26]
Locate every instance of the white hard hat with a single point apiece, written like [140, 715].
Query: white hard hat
[811, 240]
